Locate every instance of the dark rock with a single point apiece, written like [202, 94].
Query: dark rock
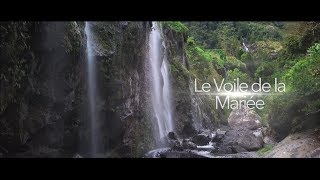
[222, 150]
[188, 130]
[244, 138]
[187, 144]
[175, 145]
[172, 136]
[201, 139]
[219, 134]
[238, 149]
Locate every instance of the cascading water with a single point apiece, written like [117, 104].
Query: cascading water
[161, 90]
[92, 92]
[245, 47]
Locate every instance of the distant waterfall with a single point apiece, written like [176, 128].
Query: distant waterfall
[160, 81]
[92, 93]
[245, 47]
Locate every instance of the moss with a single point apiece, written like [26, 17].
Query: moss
[232, 62]
[176, 26]
[265, 150]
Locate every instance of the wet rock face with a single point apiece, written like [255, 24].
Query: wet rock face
[48, 103]
[47, 100]
[121, 50]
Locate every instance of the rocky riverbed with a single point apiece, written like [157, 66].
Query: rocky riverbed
[243, 136]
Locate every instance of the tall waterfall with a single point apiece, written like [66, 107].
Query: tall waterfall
[161, 89]
[92, 93]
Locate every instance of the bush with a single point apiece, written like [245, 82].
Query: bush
[304, 76]
[177, 26]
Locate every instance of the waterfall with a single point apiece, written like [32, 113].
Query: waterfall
[92, 93]
[160, 83]
[245, 47]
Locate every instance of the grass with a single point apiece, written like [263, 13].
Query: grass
[265, 150]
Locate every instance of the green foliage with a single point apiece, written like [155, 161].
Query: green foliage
[257, 31]
[236, 73]
[265, 70]
[300, 36]
[265, 150]
[177, 26]
[202, 61]
[232, 62]
[313, 50]
[287, 51]
[304, 76]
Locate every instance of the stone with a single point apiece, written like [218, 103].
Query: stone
[269, 140]
[244, 118]
[188, 130]
[175, 145]
[244, 138]
[238, 149]
[258, 133]
[187, 144]
[201, 139]
[314, 154]
[222, 150]
[172, 136]
[298, 145]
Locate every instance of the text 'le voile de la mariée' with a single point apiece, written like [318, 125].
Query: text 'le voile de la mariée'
[240, 91]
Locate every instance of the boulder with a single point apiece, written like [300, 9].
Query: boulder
[187, 144]
[201, 139]
[219, 134]
[175, 145]
[244, 138]
[244, 118]
[314, 154]
[269, 140]
[238, 149]
[172, 136]
[298, 145]
[222, 150]
[188, 130]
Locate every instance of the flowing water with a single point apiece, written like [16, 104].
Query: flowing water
[92, 92]
[161, 89]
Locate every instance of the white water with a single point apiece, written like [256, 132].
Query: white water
[245, 47]
[161, 89]
[92, 91]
